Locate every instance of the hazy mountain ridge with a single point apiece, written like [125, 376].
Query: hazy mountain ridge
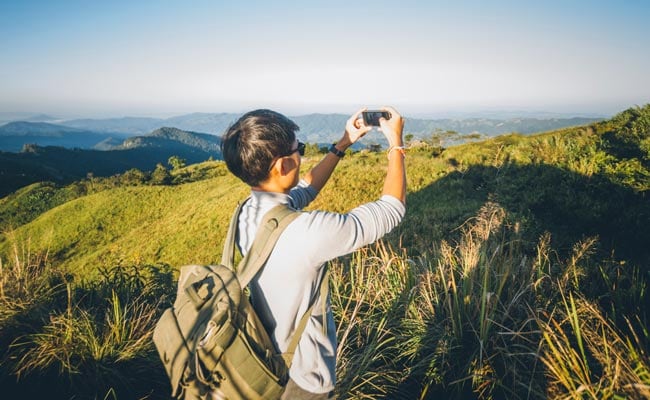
[127, 125]
[170, 137]
[213, 123]
[6, 117]
[314, 128]
[58, 164]
[325, 128]
[15, 135]
[44, 129]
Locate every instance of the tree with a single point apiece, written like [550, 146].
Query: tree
[160, 176]
[439, 137]
[176, 162]
[133, 177]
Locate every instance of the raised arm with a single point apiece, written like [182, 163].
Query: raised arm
[395, 183]
[340, 234]
[320, 174]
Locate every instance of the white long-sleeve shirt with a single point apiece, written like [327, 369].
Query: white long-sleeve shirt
[282, 291]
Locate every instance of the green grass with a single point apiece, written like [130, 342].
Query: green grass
[175, 224]
[569, 183]
[519, 271]
[480, 319]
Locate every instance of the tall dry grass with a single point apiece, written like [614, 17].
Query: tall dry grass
[63, 338]
[480, 319]
[27, 280]
[371, 294]
[586, 356]
[488, 316]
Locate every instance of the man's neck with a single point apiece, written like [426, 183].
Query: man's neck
[270, 187]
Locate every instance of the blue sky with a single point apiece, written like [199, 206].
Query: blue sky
[88, 58]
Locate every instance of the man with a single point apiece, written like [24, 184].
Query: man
[262, 150]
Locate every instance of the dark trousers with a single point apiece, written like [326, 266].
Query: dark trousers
[295, 392]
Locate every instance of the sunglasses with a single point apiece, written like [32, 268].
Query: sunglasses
[300, 149]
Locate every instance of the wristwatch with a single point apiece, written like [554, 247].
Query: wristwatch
[336, 151]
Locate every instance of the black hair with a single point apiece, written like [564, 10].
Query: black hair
[250, 145]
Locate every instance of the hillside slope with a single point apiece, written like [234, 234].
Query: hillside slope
[132, 225]
[515, 252]
[570, 183]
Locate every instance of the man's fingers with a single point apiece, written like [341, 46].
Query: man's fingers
[356, 115]
[391, 110]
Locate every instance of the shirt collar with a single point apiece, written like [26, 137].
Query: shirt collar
[261, 198]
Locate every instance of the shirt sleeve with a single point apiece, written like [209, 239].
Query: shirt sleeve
[302, 195]
[333, 235]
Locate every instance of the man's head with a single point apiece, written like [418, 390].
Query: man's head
[255, 141]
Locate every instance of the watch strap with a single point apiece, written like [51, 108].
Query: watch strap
[336, 151]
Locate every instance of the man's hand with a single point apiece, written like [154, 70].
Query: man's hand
[395, 183]
[393, 127]
[355, 129]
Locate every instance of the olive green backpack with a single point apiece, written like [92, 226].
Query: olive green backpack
[211, 341]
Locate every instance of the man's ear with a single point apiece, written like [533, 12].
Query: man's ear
[287, 164]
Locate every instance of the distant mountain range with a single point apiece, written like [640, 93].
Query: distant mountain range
[58, 164]
[14, 135]
[325, 128]
[196, 122]
[105, 134]
[6, 117]
[172, 138]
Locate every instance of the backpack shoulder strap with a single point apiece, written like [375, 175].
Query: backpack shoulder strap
[268, 233]
[272, 226]
[228, 254]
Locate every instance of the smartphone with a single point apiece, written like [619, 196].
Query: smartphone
[371, 118]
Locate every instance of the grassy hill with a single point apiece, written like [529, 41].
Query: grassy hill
[569, 182]
[516, 251]
[147, 224]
